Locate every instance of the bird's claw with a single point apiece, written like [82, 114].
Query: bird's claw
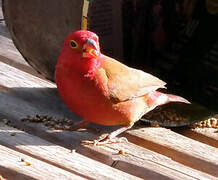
[106, 140]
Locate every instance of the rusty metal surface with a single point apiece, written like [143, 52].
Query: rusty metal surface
[38, 29]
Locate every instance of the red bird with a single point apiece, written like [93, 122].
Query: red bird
[102, 90]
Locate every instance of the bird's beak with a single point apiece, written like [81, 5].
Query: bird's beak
[90, 49]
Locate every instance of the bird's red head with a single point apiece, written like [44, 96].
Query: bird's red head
[80, 51]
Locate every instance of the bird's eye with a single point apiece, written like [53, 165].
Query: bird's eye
[73, 44]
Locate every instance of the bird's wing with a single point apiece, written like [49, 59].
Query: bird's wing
[125, 83]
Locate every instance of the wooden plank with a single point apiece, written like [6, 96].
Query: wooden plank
[205, 135]
[57, 155]
[184, 150]
[136, 160]
[157, 163]
[1, 14]
[15, 165]
[5, 34]
[208, 132]
[145, 163]
[12, 77]
[10, 55]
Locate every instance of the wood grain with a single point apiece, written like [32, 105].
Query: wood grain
[205, 135]
[58, 156]
[15, 165]
[1, 14]
[140, 162]
[184, 150]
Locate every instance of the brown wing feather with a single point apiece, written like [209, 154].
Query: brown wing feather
[125, 83]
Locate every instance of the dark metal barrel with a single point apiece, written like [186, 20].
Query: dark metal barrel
[38, 29]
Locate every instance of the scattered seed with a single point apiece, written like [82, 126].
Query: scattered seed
[155, 125]
[6, 121]
[121, 152]
[13, 134]
[27, 163]
[208, 123]
[49, 121]
[72, 150]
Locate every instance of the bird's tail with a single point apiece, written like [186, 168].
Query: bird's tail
[174, 98]
[156, 98]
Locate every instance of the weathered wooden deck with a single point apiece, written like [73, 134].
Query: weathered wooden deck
[34, 151]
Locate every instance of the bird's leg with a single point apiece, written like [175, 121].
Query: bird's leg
[110, 138]
[73, 127]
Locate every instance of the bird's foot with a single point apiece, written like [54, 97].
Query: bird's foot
[107, 140]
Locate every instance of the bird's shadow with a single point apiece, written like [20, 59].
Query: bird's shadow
[21, 106]
[18, 103]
